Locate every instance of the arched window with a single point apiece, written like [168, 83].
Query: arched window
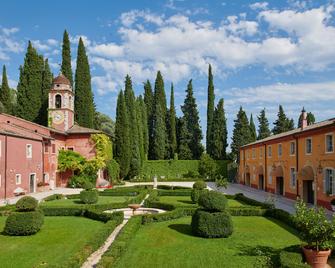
[58, 101]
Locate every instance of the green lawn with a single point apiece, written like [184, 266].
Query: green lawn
[59, 239]
[186, 201]
[101, 200]
[171, 244]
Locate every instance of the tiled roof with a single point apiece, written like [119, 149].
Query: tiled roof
[61, 79]
[81, 130]
[321, 124]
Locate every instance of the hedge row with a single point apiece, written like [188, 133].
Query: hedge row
[181, 192]
[121, 243]
[160, 205]
[171, 187]
[247, 211]
[252, 202]
[170, 215]
[292, 257]
[93, 214]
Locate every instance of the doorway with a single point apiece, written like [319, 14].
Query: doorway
[247, 179]
[308, 192]
[261, 182]
[280, 185]
[32, 183]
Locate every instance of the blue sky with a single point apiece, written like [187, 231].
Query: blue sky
[263, 53]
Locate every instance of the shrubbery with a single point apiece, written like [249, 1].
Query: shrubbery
[213, 201]
[26, 203]
[89, 196]
[199, 185]
[195, 194]
[54, 197]
[80, 181]
[166, 216]
[292, 258]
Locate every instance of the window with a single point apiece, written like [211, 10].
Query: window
[46, 177]
[18, 179]
[58, 101]
[280, 149]
[260, 152]
[293, 178]
[292, 148]
[329, 143]
[29, 151]
[253, 153]
[329, 181]
[53, 148]
[247, 154]
[242, 154]
[269, 151]
[46, 148]
[70, 148]
[308, 146]
[269, 176]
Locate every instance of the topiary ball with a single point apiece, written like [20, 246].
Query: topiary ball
[213, 201]
[89, 196]
[26, 203]
[195, 194]
[212, 225]
[199, 185]
[24, 223]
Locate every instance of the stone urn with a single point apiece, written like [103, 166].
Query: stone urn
[134, 207]
[317, 259]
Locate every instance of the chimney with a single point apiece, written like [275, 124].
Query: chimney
[304, 119]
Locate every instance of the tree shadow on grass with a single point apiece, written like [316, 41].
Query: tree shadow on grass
[182, 228]
[265, 256]
[186, 202]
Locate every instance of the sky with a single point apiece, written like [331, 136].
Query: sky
[263, 53]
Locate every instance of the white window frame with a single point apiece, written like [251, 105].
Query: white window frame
[280, 150]
[293, 177]
[294, 149]
[326, 146]
[308, 153]
[18, 179]
[29, 152]
[269, 175]
[332, 191]
[269, 151]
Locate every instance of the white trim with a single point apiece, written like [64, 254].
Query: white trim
[293, 147]
[269, 150]
[309, 138]
[280, 145]
[253, 153]
[18, 176]
[35, 182]
[260, 152]
[295, 178]
[324, 180]
[29, 152]
[327, 134]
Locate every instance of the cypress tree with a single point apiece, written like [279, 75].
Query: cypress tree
[5, 95]
[252, 129]
[139, 124]
[184, 151]
[122, 142]
[29, 93]
[191, 117]
[83, 102]
[46, 85]
[282, 124]
[219, 133]
[144, 127]
[149, 102]
[66, 58]
[172, 125]
[241, 134]
[263, 127]
[210, 110]
[159, 134]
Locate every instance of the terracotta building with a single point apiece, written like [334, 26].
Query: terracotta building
[297, 163]
[29, 152]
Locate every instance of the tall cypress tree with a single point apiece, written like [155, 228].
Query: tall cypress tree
[144, 127]
[252, 129]
[46, 85]
[210, 110]
[219, 133]
[29, 87]
[140, 127]
[172, 125]
[184, 151]
[5, 95]
[122, 150]
[263, 126]
[283, 123]
[191, 117]
[149, 103]
[83, 102]
[159, 134]
[241, 134]
[66, 58]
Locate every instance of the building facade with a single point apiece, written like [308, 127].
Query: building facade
[297, 163]
[29, 152]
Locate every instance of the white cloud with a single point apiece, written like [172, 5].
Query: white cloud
[107, 50]
[259, 5]
[8, 43]
[129, 18]
[9, 31]
[241, 26]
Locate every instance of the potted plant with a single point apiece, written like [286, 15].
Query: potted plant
[317, 231]
[332, 202]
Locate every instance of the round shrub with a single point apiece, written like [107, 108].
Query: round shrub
[89, 196]
[24, 223]
[213, 201]
[26, 203]
[195, 194]
[199, 185]
[212, 225]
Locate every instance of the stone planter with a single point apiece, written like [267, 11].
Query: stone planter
[317, 259]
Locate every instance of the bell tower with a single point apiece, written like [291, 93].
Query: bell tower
[61, 104]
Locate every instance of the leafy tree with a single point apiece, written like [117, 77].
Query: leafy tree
[283, 123]
[252, 129]
[172, 125]
[66, 58]
[122, 142]
[241, 134]
[210, 111]
[83, 102]
[207, 167]
[219, 133]
[191, 117]
[184, 151]
[5, 94]
[263, 127]
[105, 124]
[46, 85]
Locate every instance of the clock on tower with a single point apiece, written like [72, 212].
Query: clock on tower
[61, 104]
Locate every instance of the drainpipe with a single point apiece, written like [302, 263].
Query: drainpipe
[6, 167]
[265, 168]
[297, 163]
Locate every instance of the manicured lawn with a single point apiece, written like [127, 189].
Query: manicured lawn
[171, 244]
[101, 200]
[59, 239]
[186, 201]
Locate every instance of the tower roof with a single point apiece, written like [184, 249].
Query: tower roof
[61, 79]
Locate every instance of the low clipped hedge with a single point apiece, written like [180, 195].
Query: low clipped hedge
[212, 224]
[160, 205]
[247, 211]
[121, 243]
[213, 201]
[89, 196]
[170, 215]
[103, 216]
[171, 187]
[292, 257]
[181, 192]
[53, 197]
[26, 203]
[241, 197]
[282, 216]
[63, 211]
[24, 223]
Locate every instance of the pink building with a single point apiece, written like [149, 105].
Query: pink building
[29, 152]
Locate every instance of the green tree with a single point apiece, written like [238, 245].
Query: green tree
[172, 125]
[184, 151]
[5, 94]
[252, 129]
[143, 110]
[210, 111]
[66, 58]
[207, 167]
[29, 93]
[83, 102]
[241, 134]
[46, 85]
[219, 133]
[139, 123]
[191, 117]
[105, 124]
[263, 126]
[283, 123]
[149, 102]
[122, 150]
